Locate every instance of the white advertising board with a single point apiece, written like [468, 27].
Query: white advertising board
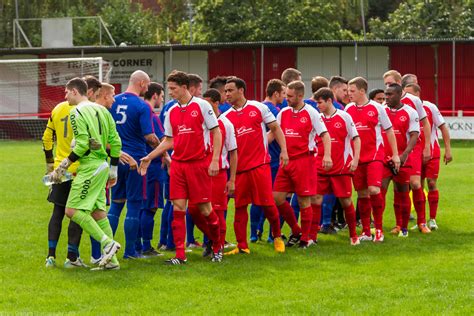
[460, 127]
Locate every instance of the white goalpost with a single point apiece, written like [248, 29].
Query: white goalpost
[29, 87]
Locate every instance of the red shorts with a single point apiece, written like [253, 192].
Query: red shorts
[403, 176]
[430, 170]
[191, 181]
[297, 177]
[219, 195]
[254, 186]
[368, 174]
[341, 185]
[416, 160]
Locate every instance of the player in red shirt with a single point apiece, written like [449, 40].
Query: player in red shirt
[221, 187]
[189, 126]
[300, 123]
[430, 170]
[406, 126]
[337, 179]
[421, 153]
[370, 118]
[253, 183]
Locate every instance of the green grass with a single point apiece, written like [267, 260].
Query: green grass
[418, 275]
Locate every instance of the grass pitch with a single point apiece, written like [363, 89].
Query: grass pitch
[419, 275]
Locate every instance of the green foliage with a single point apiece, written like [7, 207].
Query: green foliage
[423, 274]
[427, 19]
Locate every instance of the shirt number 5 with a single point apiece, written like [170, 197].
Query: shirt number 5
[121, 111]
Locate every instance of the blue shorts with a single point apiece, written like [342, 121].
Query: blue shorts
[130, 184]
[154, 190]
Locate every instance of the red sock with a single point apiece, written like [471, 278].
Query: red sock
[240, 226]
[419, 200]
[377, 207]
[179, 232]
[271, 213]
[350, 215]
[364, 210]
[306, 221]
[433, 198]
[222, 226]
[286, 211]
[397, 207]
[199, 219]
[405, 207]
[214, 231]
[384, 196]
[315, 221]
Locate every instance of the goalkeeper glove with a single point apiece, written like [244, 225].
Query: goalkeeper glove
[59, 172]
[113, 172]
[94, 144]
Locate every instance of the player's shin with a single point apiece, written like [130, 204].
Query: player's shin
[315, 222]
[214, 230]
[376, 201]
[131, 227]
[271, 213]
[240, 226]
[179, 232]
[397, 207]
[286, 211]
[306, 220]
[365, 210]
[350, 215]
[433, 198]
[114, 214]
[419, 201]
[147, 224]
[405, 205]
[90, 226]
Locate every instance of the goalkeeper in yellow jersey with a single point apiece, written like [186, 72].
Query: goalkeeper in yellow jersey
[91, 124]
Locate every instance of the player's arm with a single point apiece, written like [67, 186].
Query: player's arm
[115, 150]
[447, 144]
[230, 187]
[411, 144]
[163, 147]
[152, 140]
[355, 159]
[48, 143]
[280, 138]
[216, 150]
[427, 133]
[327, 161]
[392, 141]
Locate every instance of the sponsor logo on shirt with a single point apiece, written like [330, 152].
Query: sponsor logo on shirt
[194, 113]
[252, 114]
[371, 113]
[182, 129]
[338, 125]
[403, 118]
[291, 133]
[243, 130]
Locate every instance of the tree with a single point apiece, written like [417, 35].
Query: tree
[427, 19]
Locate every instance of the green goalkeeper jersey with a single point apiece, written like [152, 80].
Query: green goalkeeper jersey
[93, 124]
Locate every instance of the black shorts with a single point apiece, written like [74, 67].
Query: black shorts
[59, 193]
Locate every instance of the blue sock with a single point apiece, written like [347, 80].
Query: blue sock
[73, 248]
[131, 226]
[205, 240]
[164, 223]
[114, 214]
[255, 219]
[95, 249]
[189, 228]
[147, 223]
[170, 243]
[52, 244]
[295, 206]
[138, 242]
[329, 200]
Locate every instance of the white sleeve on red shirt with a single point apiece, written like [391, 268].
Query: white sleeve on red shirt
[414, 120]
[267, 115]
[350, 126]
[210, 118]
[438, 119]
[316, 120]
[278, 118]
[230, 140]
[168, 127]
[418, 105]
[383, 117]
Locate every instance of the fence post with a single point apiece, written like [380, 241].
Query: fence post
[262, 57]
[453, 106]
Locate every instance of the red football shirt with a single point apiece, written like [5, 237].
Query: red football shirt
[404, 121]
[342, 131]
[436, 120]
[416, 103]
[369, 119]
[229, 143]
[189, 125]
[300, 129]
[252, 144]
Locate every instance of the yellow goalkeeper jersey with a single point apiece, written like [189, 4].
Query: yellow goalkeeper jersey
[59, 125]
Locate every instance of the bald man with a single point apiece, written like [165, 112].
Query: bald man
[133, 118]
